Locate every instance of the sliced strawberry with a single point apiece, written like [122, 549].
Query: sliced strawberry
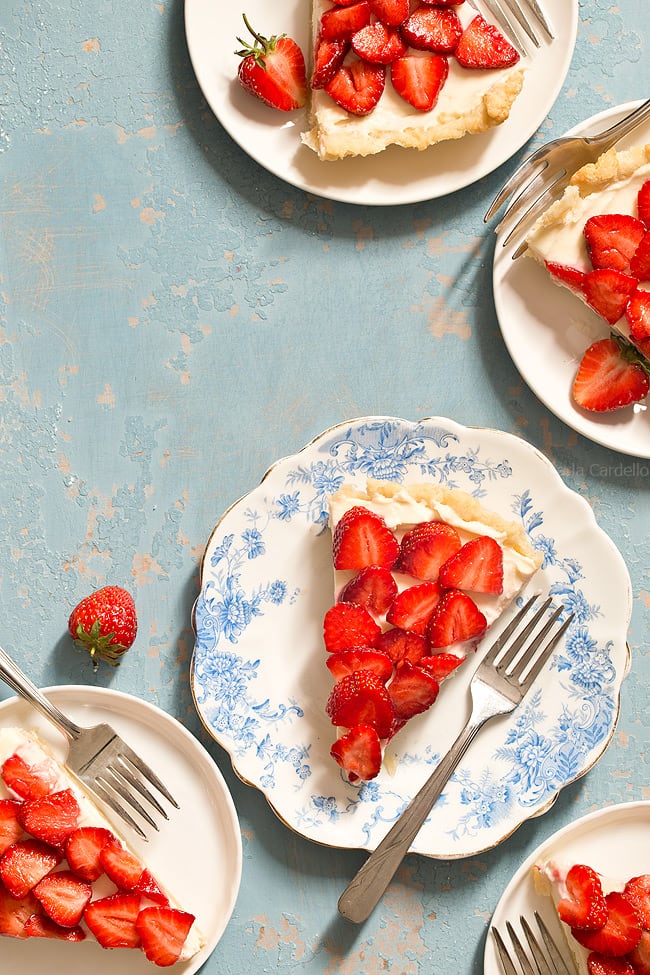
[378, 43]
[419, 79]
[64, 897]
[356, 88]
[26, 862]
[28, 781]
[42, 926]
[163, 931]
[477, 566]
[120, 866]
[51, 818]
[347, 625]
[412, 691]
[390, 12]
[619, 935]
[640, 956]
[602, 965]
[149, 887]
[358, 753]
[340, 23]
[455, 619]
[112, 920]
[436, 29]
[361, 698]
[607, 292]
[571, 277]
[373, 587]
[484, 46]
[412, 608]
[612, 239]
[643, 203]
[440, 665]
[328, 58]
[82, 850]
[426, 547]
[640, 261]
[10, 828]
[609, 378]
[362, 538]
[584, 906]
[402, 644]
[344, 662]
[15, 912]
[637, 313]
[637, 892]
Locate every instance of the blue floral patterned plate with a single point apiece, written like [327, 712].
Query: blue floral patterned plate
[258, 672]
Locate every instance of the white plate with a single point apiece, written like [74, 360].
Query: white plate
[197, 854]
[610, 840]
[258, 672]
[391, 177]
[547, 330]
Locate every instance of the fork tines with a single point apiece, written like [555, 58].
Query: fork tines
[547, 957]
[531, 640]
[515, 16]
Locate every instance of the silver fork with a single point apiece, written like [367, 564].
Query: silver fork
[498, 685]
[544, 175]
[514, 15]
[543, 949]
[100, 759]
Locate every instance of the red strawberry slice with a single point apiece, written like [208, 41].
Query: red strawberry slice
[273, 69]
[26, 862]
[328, 58]
[51, 818]
[64, 897]
[640, 261]
[15, 912]
[571, 277]
[148, 886]
[10, 828]
[436, 29]
[643, 203]
[412, 608]
[640, 957]
[340, 23]
[412, 691]
[112, 920]
[484, 46]
[163, 931]
[609, 377]
[607, 291]
[619, 935]
[440, 665]
[456, 619]
[612, 239]
[362, 538]
[584, 906]
[358, 753]
[390, 12]
[637, 892]
[120, 866]
[42, 926]
[426, 547]
[361, 698]
[419, 80]
[373, 587]
[347, 625]
[82, 850]
[344, 662]
[402, 644]
[602, 965]
[356, 88]
[28, 781]
[637, 313]
[378, 43]
[477, 566]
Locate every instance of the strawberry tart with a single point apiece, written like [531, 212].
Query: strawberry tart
[396, 72]
[420, 572]
[65, 872]
[606, 923]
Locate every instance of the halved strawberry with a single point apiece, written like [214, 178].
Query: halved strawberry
[273, 69]
[603, 965]
[612, 239]
[455, 619]
[426, 547]
[637, 313]
[361, 698]
[26, 862]
[571, 277]
[344, 662]
[402, 644]
[42, 926]
[15, 912]
[358, 753]
[440, 665]
[609, 377]
[347, 625]
[113, 919]
[419, 79]
[28, 781]
[356, 88]
[484, 46]
[51, 818]
[640, 261]
[373, 587]
[637, 892]
[607, 291]
[149, 887]
[120, 866]
[412, 690]
[584, 906]
[477, 567]
[10, 828]
[390, 12]
[340, 23]
[643, 203]
[412, 608]
[163, 931]
[82, 849]
[328, 58]
[362, 538]
[378, 43]
[640, 956]
[619, 935]
[64, 897]
[436, 29]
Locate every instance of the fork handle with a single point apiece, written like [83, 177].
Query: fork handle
[623, 126]
[12, 675]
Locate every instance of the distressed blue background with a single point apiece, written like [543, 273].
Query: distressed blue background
[172, 320]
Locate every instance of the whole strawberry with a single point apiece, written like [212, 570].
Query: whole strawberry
[273, 69]
[104, 624]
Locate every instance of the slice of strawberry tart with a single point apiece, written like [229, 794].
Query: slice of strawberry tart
[606, 923]
[420, 572]
[65, 872]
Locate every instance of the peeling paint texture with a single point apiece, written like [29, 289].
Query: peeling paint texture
[172, 320]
